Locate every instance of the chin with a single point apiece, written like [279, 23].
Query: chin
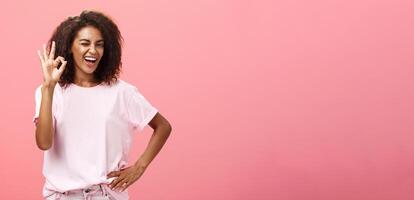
[88, 70]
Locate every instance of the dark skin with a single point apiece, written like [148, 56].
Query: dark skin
[127, 176]
[88, 42]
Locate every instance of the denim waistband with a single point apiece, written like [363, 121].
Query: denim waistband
[86, 193]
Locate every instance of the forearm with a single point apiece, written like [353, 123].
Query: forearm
[157, 141]
[44, 127]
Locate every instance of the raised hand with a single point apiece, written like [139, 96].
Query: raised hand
[51, 73]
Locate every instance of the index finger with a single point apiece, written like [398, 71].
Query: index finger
[113, 174]
[40, 56]
[52, 51]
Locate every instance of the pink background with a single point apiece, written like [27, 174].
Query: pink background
[287, 100]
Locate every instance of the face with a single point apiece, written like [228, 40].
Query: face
[87, 50]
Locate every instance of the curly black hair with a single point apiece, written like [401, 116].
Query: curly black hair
[110, 64]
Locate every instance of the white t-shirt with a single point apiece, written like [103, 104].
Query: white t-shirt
[94, 129]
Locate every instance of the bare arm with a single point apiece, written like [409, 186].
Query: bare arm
[162, 129]
[51, 75]
[125, 177]
[44, 125]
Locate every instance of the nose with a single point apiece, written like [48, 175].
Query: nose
[92, 49]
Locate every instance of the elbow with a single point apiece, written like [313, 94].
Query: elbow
[42, 142]
[165, 127]
[43, 147]
[168, 128]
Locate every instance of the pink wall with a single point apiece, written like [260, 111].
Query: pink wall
[286, 100]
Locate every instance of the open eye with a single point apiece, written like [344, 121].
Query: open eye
[84, 44]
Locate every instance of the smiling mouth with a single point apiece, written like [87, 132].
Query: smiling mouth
[90, 60]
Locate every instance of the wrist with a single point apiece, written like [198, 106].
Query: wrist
[141, 163]
[49, 85]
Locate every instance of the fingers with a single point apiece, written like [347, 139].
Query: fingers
[119, 184]
[52, 51]
[59, 59]
[124, 180]
[62, 67]
[40, 57]
[113, 174]
[44, 57]
[126, 186]
[56, 61]
[44, 51]
[49, 63]
[115, 182]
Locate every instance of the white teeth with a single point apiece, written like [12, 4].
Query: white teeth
[90, 58]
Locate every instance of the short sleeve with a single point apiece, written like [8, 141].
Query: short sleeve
[140, 111]
[38, 100]
[38, 97]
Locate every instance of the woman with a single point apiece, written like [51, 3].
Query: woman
[86, 116]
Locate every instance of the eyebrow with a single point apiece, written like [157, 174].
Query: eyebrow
[89, 40]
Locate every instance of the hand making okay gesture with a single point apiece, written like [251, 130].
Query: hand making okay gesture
[51, 73]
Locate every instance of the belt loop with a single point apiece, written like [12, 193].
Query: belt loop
[58, 195]
[103, 189]
[85, 192]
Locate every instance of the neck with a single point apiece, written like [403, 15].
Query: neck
[86, 81]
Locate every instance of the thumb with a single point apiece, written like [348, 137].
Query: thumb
[113, 174]
[62, 67]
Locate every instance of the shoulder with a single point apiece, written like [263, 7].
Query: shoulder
[38, 89]
[123, 83]
[126, 86]
[57, 92]
[130, 91]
